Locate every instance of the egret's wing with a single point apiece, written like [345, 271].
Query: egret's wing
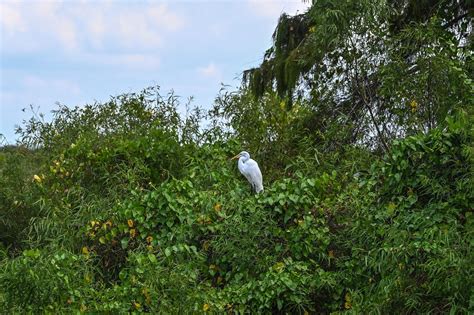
[248, 176]
[244, 170]
[255, 175]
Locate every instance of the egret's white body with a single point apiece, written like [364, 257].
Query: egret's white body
[249, 168]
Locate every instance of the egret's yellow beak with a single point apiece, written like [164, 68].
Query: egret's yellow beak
[236, 157]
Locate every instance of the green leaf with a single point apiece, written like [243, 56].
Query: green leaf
[33, 253]
[152, 258]
[279, 304]
[124, 242]
[293, 198]
[287, 217]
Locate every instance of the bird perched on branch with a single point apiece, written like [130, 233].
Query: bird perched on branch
[249, 168]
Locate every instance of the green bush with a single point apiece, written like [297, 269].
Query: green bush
[38, 281]
[136, 210]
[411, 239]
[18, 194]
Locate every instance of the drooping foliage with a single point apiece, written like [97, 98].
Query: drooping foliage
[386, 68]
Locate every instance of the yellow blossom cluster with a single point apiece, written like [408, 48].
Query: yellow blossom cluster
[149, 239]
[204, 220]
[348, 301]
[38, 178]
[413, 105]
[147, 296]
[58, 169]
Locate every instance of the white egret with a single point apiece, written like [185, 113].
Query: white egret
[249, 168]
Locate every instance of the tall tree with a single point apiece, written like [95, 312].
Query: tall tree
[382, 68]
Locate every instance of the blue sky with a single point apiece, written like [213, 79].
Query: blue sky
[76, 52]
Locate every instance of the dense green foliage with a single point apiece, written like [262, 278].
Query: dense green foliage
[128, 206]
[382, 68]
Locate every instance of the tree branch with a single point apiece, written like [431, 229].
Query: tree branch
[455, 20]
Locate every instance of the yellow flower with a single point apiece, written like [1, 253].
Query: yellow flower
[87, 278]
[85, 251]
[130, 223]
[37, 178]
[348, 303]
[413, 105]
[137, 305]
[282, 105]
[147, 295]
[149, 239]
[279, 266]
[206, 307]
[149, 247]
[133, 232]
[217, 207]
[391, 208]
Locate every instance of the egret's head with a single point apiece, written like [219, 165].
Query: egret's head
[243, 154]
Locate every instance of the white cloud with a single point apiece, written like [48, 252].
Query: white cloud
[129, 61]
[274, 8]
[11, 20]
[32, 82]
[67, 34]
[96, 28]
[162, 17]
[72, 26]
[218, 30]
[210, 71]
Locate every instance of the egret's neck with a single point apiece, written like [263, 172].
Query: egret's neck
[241, 163]
[243, 159]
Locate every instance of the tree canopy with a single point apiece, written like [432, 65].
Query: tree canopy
[385, 68]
